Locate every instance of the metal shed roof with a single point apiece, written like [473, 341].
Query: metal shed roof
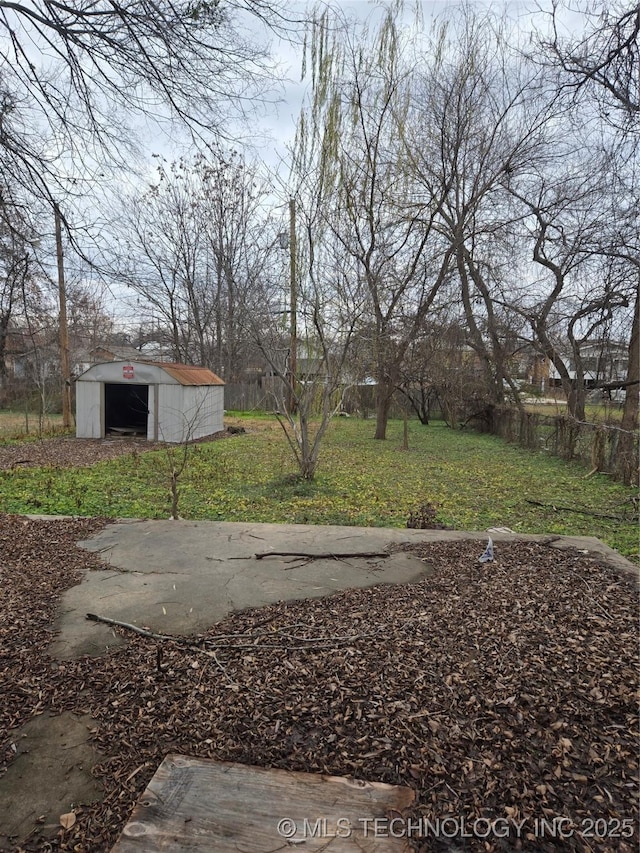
[188, 375]
[149, 371]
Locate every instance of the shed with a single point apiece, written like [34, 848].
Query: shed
[160, 400]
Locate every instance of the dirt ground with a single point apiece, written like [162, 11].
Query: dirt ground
[505, 690]
[68, 451]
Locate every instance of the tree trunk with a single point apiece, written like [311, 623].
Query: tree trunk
[571, 387]
[626, 463]
[576, 400]
[632, 393]
[476, 340]
[383, 404]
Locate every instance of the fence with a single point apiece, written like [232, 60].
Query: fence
[254, 396]
[266, 396]
[602, 447]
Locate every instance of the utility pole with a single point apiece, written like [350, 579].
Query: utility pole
[293, 346]
[64, 330]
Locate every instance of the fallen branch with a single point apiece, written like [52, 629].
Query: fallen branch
[557, 507]
[606, 613]
[144, 632]
[197, 643]
[322, 556]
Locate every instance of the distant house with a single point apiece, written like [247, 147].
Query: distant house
[602, 362]
[530, 367]
[31, 356]
[113, 353]
[83, 359]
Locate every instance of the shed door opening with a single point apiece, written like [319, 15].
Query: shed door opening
[126, 408]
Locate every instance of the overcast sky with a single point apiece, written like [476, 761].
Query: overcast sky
[272, 134]
[278, 124]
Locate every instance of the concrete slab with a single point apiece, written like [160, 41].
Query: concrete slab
[50, 774]
[181, 577]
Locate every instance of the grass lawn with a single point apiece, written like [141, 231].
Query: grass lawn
[474, 481]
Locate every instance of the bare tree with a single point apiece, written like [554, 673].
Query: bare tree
[17, 267]
[440, 368]
[477, 120]
[582, 217]
[90, 324]
[81, 70]
[602, 63]
[238, 254]
[323, 316]
[196, 245]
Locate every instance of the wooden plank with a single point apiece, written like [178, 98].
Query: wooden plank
[195, 805]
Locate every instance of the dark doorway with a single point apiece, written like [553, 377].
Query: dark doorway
[126, 408]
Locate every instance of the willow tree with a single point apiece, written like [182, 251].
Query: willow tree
[311, 359]
[351, 135]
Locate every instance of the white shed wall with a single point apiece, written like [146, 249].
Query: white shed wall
[152, 420]
[189, 411]
[171, 425]
[204, 405]
[89, 409]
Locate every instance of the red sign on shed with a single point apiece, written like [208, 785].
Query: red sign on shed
[127, 371]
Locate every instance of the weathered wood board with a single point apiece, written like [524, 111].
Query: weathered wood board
[194, 805]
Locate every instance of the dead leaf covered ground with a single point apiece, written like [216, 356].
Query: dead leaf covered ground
[70, 452]
[66, 451]
[504, 692]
